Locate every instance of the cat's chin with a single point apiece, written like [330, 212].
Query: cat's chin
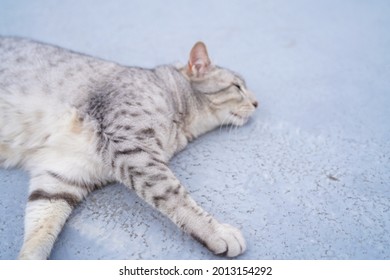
[238, 119]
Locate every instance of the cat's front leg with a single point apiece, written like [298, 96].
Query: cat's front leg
[221, 239]
[156, 184]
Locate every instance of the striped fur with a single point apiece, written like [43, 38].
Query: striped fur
[77, 122]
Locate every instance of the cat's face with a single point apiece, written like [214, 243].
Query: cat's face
[226, 94]
[224, 91]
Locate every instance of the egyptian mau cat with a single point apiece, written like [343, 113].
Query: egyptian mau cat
[77, 123]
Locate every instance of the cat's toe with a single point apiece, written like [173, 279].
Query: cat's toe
[228, 241]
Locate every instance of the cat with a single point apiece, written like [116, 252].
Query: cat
[77, 123]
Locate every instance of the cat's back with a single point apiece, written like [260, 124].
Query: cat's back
[32, 68]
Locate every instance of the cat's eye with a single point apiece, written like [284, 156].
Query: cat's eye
[237, 86]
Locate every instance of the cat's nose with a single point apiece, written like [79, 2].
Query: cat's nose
[255, 104]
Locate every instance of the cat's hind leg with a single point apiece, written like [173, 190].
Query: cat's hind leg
[50, 202]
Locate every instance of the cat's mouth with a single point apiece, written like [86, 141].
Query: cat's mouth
[239, 119]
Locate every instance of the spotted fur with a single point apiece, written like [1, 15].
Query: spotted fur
[76, 123]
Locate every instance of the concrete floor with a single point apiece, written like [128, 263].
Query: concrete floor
[307, 178]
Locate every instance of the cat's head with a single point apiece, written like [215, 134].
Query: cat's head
[224, 91]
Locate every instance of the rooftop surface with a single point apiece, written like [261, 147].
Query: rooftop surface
[307, 178]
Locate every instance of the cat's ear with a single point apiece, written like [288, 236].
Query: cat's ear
[199, 62]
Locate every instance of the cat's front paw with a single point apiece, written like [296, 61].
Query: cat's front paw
[226, 240]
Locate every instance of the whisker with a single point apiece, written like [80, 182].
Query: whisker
[224, 122]
[229, 122]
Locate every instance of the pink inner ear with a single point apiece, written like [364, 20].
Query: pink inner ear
[199, 59]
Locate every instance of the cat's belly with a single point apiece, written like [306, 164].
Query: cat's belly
[59, 140]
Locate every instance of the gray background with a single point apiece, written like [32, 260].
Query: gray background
[307, 178]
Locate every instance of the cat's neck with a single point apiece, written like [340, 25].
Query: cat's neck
[192, 109]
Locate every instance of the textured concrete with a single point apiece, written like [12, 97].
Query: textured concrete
[307, 178]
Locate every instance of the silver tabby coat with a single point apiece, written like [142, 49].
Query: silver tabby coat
[77, 123]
